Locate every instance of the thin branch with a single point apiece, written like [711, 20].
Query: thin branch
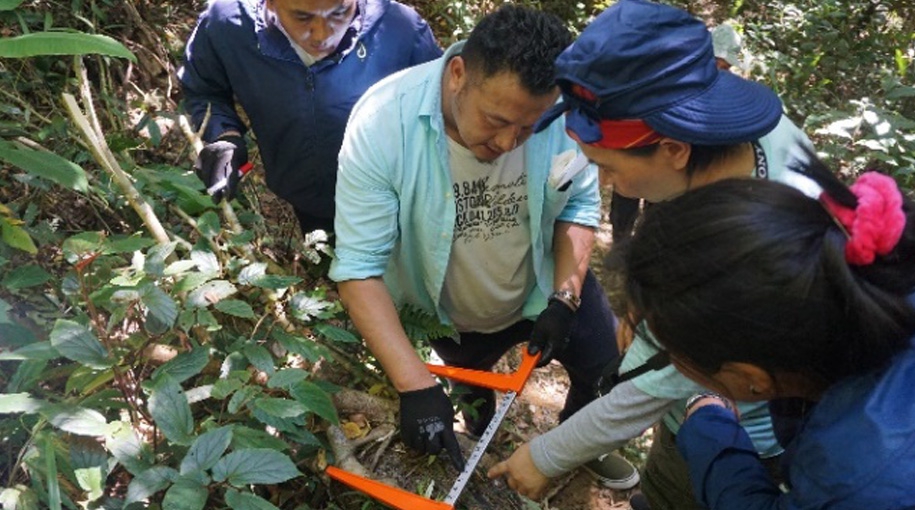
[106, 159]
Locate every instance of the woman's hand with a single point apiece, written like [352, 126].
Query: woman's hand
[521, 473]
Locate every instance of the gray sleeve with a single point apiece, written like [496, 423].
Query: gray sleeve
[601, 427]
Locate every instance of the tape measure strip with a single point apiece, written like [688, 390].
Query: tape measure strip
[480, 447]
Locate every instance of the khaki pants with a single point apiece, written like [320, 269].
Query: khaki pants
[665, 479]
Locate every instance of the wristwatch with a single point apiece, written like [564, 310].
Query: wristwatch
[567, 298]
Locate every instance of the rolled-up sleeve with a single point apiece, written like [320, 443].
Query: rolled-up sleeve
[723, 464]
[367, 203]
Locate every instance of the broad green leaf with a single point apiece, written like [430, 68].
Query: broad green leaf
[90, 465]
[8, 5]
[25, 276]
[19, 497]
[129, 244]
[14, 335]
[20, 403]
[28, 375]
[275, 282]
[4, 312]
[16, 236]
[251, 273]
[160, 305]
[36, 351]
[287, 425]
[74, 341]
[255, 465]
[210, 292]
[193, 280]
[302, 346]
[85, 380]
[247, 501]
[199, 393]
[186, 494]
[62, 43]
[286, 377]
[235, 307]
[43, 164]
[185, 365]
[280, 407]
[260, 357]
[246, 437]
[79, 245]
[208, 224]
[168, 405]
[206, 450]
[336, 334]
[75, 420]
[179, 267]
[304, 307]
[225, 387]
[125, 446]
[148, 483]
[156, 257]
[241, 397]
[316, 400]
[206, 261]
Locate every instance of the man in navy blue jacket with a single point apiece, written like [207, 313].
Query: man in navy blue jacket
[295, 67]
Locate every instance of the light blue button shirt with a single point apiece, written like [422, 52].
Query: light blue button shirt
[395, 206]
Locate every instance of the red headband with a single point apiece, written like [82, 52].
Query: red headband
[618, 134]
[876, 224]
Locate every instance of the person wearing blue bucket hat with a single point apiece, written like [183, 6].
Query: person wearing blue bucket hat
[643, 98]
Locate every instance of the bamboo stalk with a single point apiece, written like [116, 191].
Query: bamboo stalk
[103, 155]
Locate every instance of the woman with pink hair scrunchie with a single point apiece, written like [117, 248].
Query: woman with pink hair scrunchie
[761, 293]
[875, 225]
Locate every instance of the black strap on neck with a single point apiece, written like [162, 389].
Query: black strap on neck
[611, 375]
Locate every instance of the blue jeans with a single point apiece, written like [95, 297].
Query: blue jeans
[592, 346]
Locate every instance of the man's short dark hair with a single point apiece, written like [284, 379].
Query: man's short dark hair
[520, 40]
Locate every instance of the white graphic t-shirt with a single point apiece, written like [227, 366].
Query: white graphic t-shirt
[490, 272]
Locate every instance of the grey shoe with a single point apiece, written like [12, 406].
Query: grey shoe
[614, 472]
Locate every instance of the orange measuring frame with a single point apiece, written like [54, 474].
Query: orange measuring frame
[404, 500]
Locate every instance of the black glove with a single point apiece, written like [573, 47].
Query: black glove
[427, 423]
[218, 166]
[551, 331]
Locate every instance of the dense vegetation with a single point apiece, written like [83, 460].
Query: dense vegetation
[157, 350]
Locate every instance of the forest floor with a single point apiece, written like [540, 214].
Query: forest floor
[534, 412]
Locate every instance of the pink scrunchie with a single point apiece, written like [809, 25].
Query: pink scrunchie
[876, 224]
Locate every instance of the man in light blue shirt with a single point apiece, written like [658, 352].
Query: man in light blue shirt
[443, 203]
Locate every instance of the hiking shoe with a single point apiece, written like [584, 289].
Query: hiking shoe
[477, 408]
[639, 502]
[613, 471]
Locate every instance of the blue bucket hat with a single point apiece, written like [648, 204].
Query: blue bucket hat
[643, 60]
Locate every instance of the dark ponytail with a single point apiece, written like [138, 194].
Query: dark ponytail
[754, 271]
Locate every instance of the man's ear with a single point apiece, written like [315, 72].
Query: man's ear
[748, 381]
[675, 152]
[457, 74]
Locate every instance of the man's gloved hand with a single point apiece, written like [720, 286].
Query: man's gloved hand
[427, 423]
[551, 331]
[218, 166]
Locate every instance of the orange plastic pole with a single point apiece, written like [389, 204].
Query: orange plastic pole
[403, 500]
[502, 382]
[397, 498]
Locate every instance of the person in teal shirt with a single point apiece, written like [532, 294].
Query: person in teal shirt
[444, 203]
